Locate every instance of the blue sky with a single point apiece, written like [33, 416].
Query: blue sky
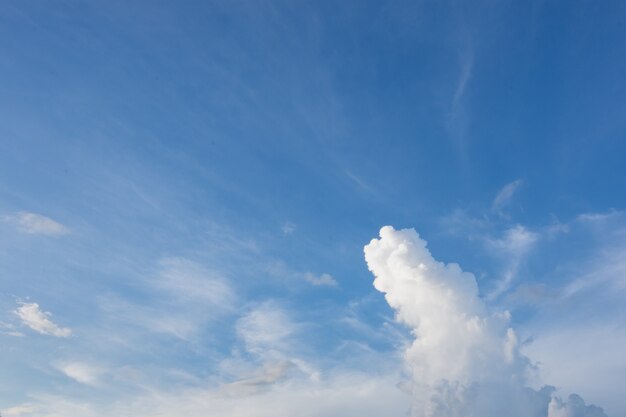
[187, 187]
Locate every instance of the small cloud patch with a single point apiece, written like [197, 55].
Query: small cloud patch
[39, 321]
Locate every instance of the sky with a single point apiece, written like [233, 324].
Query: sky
[313, 208]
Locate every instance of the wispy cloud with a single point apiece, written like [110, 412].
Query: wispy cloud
[19, 410]
[81, 372]
[321, 280]
[457, 118]
[288, 228]
[504, 196]
[341, 393]
[37, 224]
[360, 182]
[599, 217]
[39, 321]
[9, 329]
[266, 330]
[280, 269]
[513, 246]
[188, 280]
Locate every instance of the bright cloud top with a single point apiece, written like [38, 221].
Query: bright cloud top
[32, 316]
[37, 224]
[464, 359]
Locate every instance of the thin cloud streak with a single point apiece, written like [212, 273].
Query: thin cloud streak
[37, 224]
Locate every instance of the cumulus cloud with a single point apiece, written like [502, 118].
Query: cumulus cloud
[320, 280]
[465, 359]
[37, 224]
[32, 316]
[573, 407]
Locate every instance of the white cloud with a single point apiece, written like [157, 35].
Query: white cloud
[362, 184]
[464, 359]
[81, 372]
[321, 280]
[573, 407]
[9, 329]
[516, 241]
[19, 410]
[513, 247]
[267, 330]
[599, 217]
[33, 223]
[505, 195]
[164, 320]
[585, 358]
[190, 281]
[288, 228]
[345, 394]
[40, 321]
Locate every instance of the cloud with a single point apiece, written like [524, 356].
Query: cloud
[288, 228]
[19, 410]
[345, 394]
[39, 321]
[81, 372]
[37, 224]
[457, 117]
[280, 269]
[465, 359]
[266, 330]
[599, 217]
[9, 329]
[505, 195]
[360, 182]
[573, 407]
[585, 357]
[321, 280]
[270, 373]
[513, 247]
[179, 323]
[190, 281]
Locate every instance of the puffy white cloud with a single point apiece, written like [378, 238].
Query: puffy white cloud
[465, 359]
[320, 280]
[37, 224]
[32, 316]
